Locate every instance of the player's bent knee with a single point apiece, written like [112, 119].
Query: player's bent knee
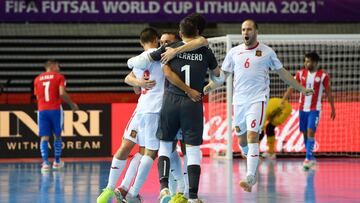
[194, 155]
[151, 153]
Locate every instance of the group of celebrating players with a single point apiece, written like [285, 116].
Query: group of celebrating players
[171, 82]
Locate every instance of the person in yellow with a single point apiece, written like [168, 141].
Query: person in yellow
[277, 111]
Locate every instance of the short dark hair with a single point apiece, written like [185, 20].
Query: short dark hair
[199, 21]
[50, 62]
[177, 37]
[148, 35]
[256, 26]
[313, 56]
[188, 27]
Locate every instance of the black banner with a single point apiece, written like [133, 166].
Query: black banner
[86, 133]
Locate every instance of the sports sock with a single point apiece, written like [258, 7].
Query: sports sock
[252, 159]
[244, 150]
[271, 144]
[176, 171]
[143, 172]
[117, 166]
[194, 178]
[131, 171]
[163, 170]
[186, 177]
[44, 150]
[309, 148]
[57, 149]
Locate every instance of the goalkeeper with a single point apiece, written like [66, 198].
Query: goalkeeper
[277, 112]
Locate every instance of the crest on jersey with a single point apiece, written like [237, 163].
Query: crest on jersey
[258, 53]
[317, 79]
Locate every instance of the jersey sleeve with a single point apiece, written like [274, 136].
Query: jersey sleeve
[62, 81]
[228, 63]
[212, 60]
[274, 62]
[156, 55]
[297, 76]
[326, 81]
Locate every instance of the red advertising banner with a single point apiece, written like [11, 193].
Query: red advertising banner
[340, 135]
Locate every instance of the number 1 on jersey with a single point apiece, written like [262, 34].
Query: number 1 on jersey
[186, 68]
[47, 85]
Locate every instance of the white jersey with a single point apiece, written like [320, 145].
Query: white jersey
[150, 101]
[251, 72]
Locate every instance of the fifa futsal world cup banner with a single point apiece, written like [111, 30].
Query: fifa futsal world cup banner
[86, 132]
[339, 135]
[173, 11]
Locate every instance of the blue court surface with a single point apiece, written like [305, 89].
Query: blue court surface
[282, 180]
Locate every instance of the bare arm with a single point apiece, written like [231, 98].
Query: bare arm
[328, 93]
[288, 78]
[170, 53]
[175, 80]
[131, 80]
[64, 95]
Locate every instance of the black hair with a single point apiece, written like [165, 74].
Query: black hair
[313, 56]
[148, 35]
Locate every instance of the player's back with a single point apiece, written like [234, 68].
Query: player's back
[151, 99]
[46, 87]
[192, 67]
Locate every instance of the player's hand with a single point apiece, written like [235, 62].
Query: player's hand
[147, 84]
[169, 54]
[333, 114]
[308, 92]
[74, 107]
[194, 95]
[137, 90]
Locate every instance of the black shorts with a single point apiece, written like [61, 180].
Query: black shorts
[180, 112]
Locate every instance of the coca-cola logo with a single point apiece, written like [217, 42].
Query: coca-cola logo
[288, 136]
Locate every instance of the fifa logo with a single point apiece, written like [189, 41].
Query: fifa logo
[82, 123]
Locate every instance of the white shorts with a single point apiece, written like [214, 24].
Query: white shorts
[132, 130]
[249, 117]
[148, 127]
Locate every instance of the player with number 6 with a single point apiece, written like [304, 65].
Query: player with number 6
[251, 62]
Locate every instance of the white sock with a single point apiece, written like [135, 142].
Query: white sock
[176, 171]
[131, 171]
[117, 166]
[244, 150]
[186, 178]
[143, 171]
[252, 159]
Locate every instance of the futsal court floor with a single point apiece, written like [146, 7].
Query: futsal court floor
[334, 180]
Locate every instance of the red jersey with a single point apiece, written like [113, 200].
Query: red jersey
[318, 81]
[46, 88]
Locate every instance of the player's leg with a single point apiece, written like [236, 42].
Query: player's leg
[313, 120]
[192, 128]
[186, 176]
[44, 133]
[169, 126]
[303, 123]
[254, 122]
[240, 128]
[150, 122]
[270, 133]
[132, 169]
[57, 117]
[122, 190]
[119, 160]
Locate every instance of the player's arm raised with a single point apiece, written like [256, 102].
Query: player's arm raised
[175, 80]
[170, 53]
[288, 78]
[64, 95]
[131, 80]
